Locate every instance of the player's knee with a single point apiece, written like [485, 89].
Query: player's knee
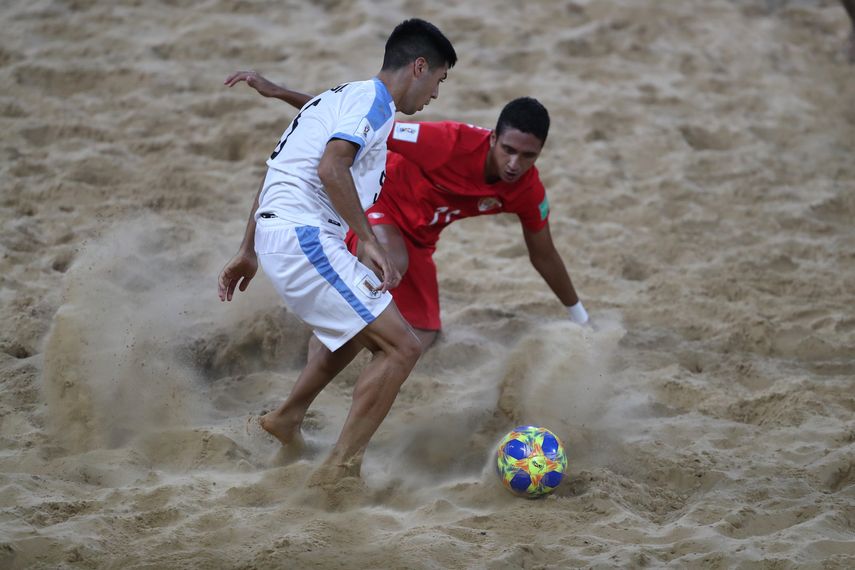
[409, 349]
[314, 348]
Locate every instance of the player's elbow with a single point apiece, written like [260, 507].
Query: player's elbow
[538, 262]
[543, 261]
[542, 255]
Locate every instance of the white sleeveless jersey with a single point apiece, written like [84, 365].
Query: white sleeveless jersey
[361, 112]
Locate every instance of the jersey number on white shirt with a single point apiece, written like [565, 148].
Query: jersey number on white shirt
[281, 144]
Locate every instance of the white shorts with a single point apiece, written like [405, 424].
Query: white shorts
[319, 279]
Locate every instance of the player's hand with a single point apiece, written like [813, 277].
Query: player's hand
[237, 273]
[378, 256]
[254, 80]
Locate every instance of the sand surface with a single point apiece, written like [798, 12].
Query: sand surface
[701, 170]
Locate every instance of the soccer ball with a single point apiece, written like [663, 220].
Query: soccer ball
[531, 461]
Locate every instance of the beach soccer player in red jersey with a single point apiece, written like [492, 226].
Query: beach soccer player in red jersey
[440, 172]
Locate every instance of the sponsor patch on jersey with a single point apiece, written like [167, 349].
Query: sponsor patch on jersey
[375, 215]
[408, 132]
[368, 285]
[489, 203]
[544, 208]
[363, 129]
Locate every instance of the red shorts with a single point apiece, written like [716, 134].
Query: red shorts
[417, 296]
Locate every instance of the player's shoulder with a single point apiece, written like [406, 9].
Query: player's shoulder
[470, 137]
[475, 130]
[368, 90]
[424, 131]
[358, 89]
[369, 96]
[450, 127]
[366, 84]
[529, 186]
[463, 129]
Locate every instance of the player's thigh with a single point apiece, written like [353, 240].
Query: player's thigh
[390, 333]
[391, 238]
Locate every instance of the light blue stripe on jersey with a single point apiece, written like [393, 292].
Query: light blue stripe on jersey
[380, 112]
[311, 246]
[350, 138]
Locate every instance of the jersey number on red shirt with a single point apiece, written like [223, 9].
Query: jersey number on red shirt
[443, 210]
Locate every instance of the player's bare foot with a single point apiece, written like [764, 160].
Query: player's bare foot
[337, 494]
[284, 428]
[332, 471]
[294, 451]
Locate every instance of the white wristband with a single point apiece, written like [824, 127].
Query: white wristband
[577, 313]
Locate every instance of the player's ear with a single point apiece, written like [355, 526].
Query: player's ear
[420, 66]
[493, 139]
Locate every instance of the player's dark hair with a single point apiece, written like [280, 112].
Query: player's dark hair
[416, 38]
[527, 115]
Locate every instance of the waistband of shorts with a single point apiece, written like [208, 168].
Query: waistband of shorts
[271, 220]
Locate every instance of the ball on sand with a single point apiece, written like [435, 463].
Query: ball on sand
[531, 461]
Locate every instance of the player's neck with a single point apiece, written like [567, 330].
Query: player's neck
[397, 83]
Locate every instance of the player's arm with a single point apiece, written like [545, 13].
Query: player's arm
[427, 145]
[267, 88]
[547, 261]
[334, 172]
[240, 270]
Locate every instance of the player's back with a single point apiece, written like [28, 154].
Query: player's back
[361, 113]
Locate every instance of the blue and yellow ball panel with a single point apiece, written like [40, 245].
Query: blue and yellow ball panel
[517, 449]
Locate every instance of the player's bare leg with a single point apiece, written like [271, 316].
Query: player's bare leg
[395, 350]
[314, 346]
[426, 337]
[322, 366]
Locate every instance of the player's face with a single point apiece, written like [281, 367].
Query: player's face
[511, 154]
[425, 86]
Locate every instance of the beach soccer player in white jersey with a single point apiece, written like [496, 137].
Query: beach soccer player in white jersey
[325, 171]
